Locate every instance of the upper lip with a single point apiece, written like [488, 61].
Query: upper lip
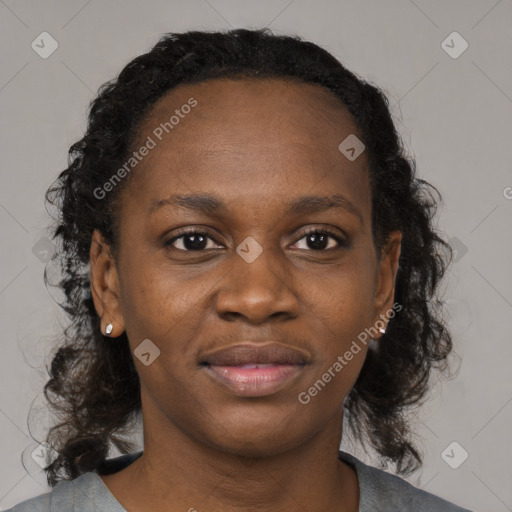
[246, 353]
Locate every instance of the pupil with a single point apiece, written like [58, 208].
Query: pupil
[197, 239]
[323, 240]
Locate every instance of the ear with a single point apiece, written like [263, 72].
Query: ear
[105, 288]
[386, 276]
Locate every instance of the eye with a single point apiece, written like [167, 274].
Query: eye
[318, 240]
[191, 240]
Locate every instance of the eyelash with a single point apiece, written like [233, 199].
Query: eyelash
[342, 243]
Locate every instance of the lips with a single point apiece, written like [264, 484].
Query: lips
[254, 370]
[243, 354]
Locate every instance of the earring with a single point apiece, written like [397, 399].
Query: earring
[109, 328]
[382, 330]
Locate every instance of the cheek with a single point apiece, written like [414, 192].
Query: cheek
[338, 307]
[163, 305]
[341, 294]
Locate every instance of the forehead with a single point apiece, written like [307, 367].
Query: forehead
[249, 136]
[283, 104]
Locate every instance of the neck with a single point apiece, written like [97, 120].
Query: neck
[177, 469]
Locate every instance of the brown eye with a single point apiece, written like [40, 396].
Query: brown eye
[191, 241]
[318, 240]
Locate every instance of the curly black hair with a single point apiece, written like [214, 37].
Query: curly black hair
[94, 387]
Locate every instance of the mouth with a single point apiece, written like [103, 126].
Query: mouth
[254, 370]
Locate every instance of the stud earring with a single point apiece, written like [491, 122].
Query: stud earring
[109, 328]
[382, 330]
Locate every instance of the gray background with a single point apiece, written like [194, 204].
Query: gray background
[453, 113]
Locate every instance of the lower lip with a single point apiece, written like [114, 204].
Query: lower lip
[255, 381]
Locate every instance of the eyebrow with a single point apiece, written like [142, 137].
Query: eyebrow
[208, 204]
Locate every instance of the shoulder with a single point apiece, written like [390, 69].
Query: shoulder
[38, 504]
[385, 492]
[86, 492]
[67, 495]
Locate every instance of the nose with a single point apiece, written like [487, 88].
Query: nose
[257, 291]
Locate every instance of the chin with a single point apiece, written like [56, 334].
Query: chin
[256, 439]
[252, 449]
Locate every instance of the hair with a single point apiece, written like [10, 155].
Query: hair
[94, 387]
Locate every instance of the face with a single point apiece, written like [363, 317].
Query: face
[255, 262]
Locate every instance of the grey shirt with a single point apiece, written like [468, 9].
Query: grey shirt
[379, 491]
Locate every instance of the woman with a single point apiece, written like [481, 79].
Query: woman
[249, 261]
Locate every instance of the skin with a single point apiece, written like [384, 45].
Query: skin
[256, 145]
